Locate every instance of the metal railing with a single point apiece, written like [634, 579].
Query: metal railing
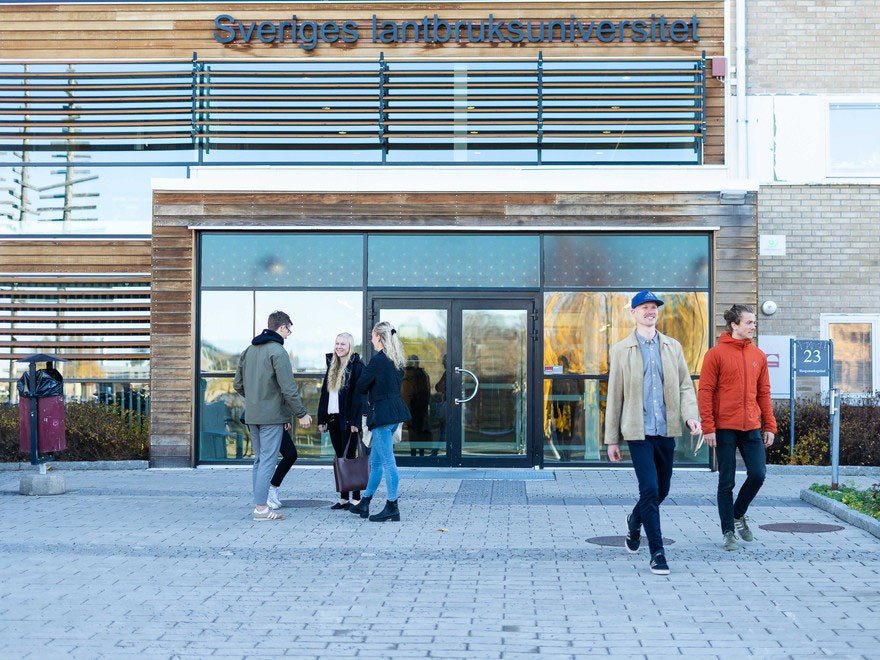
[394, 111]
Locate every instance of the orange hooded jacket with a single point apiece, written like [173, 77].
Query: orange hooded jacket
[735, 387]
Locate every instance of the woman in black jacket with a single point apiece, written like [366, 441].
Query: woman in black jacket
[339, 409]
[381, 381]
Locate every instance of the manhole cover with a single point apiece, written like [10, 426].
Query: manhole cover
[617, 541]
[801, 528]
[305, 504]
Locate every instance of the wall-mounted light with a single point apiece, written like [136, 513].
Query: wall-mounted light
[769, 307]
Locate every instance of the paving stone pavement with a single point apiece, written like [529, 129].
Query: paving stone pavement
[168, 564]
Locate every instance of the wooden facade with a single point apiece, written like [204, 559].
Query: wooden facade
[103, 284]
[177, 216]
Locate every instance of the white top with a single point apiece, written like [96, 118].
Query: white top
[333, 403]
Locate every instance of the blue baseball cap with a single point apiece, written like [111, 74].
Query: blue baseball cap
[645, 296]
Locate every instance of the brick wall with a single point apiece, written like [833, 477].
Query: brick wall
[813, 46]
[832, 261]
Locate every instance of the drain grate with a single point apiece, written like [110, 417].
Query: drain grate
[617, 541]
[801, 528]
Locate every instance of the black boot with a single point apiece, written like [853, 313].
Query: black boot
[390, 512]
[362, 508]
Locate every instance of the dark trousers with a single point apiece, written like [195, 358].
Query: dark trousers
[652, 460]
[288, 458]
[339, 437]
[751, 448]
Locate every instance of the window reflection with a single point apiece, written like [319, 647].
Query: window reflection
[318, 317]
[574, 425]
[423, 334]
[581, 327]
[223, 436]
[227, 326]
[852, 356]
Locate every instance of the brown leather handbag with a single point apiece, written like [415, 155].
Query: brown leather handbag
[352, 473]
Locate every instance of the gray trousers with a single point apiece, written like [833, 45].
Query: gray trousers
[266, 440]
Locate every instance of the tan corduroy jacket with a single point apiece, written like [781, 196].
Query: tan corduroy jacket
[624, 411]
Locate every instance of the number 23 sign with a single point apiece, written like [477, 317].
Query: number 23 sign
[812, 357]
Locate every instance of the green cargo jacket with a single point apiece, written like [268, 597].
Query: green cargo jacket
[624, 410]
[264, 377]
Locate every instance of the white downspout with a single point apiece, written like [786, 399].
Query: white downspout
[742, 120]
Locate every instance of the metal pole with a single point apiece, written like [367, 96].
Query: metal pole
[32, 375]
[835, 438]
[791, 392]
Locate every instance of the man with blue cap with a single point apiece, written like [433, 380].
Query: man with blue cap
[650, 393]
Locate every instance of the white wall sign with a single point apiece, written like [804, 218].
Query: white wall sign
[778, 350]
[771, 245]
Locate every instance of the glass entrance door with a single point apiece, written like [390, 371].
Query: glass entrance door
[468, 379]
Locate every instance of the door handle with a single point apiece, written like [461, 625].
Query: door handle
[459, 370]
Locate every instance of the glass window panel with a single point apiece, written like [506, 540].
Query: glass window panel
[630, 260]
[495, 349]
[853, 371]
[225, 335]
[106, 200]
[239, 260]
[853, 139]
[581, 327]
[572, 431]
[318, 317]
[454, 261]
[423, 334]
[222, 436]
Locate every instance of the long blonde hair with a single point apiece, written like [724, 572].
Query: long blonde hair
[390, 342]
[338, 365]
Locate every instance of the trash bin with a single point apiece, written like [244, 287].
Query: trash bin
[49, 393]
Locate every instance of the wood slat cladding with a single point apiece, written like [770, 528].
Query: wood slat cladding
[173, 404]
[175, 30]
[59, 255]
[172, 355]
[102, 284]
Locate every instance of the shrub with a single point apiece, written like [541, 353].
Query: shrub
[864, 501]
[95, 432]
[859, 433]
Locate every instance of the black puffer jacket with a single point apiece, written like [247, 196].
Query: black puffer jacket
[350, 397]
[382, 381]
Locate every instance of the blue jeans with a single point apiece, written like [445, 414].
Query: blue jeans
[382, 461]
[652, 460]
[751, 448]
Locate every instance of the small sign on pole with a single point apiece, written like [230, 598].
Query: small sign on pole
[811, 357]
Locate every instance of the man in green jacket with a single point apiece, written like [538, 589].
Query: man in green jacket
[650, 393]
[264, 378]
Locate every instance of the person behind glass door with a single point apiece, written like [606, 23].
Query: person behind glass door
[734, 401]
[416, 393]
[339, 409]
[264, 377]
[381, 382]
[650, 392]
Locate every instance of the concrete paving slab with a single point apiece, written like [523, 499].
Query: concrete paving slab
[168, 564]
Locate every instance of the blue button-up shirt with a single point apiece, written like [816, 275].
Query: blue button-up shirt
[652, 391]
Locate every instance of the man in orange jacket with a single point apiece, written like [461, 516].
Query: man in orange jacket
[734, 398]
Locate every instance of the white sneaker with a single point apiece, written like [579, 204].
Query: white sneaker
[273, 500]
